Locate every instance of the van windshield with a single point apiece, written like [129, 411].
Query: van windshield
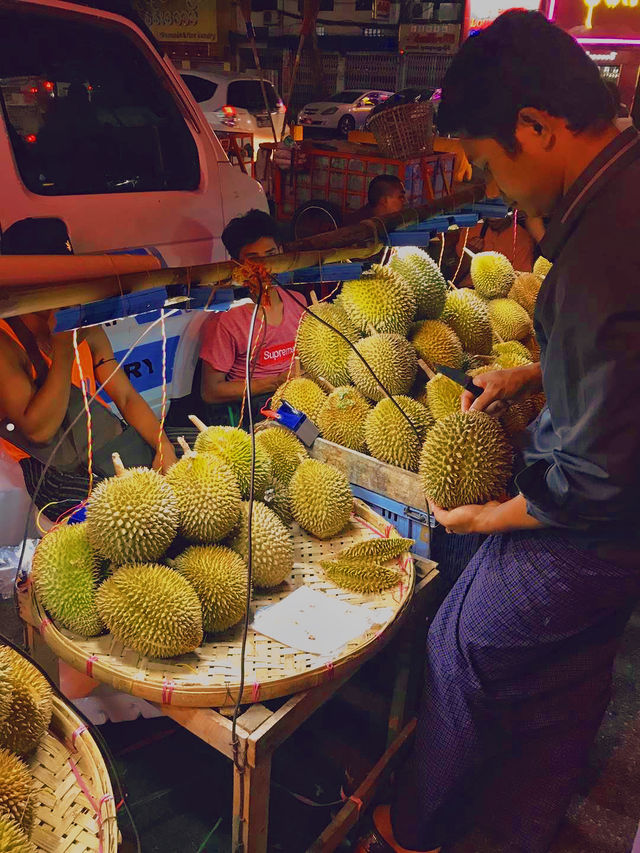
[86, 112]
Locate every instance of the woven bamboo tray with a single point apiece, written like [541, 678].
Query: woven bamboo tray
[69, 819]
[210, 676]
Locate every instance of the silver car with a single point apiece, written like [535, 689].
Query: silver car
[344, 111]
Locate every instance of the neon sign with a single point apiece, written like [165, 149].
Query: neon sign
[610, 4]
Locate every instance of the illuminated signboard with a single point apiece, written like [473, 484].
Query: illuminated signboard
[483, 12]
[595, 22]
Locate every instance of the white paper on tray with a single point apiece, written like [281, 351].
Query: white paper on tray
[314, 622]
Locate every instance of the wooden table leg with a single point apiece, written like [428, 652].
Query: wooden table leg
[251, 807]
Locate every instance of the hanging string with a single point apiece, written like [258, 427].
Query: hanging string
[163, 409]
[466, 237]
[85, 400]
[515, 235]
[441, 258]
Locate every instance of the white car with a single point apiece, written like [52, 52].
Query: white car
[344, 111]
[234, 102]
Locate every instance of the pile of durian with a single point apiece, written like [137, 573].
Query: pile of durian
[25, 714]
[160, 560]
[398, 317]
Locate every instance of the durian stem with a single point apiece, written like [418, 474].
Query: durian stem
[118, 465]
[185, 447]
[423, 364]
[371, 330]
[296, 368]
[324, 383]
[469, 252]
[198, 424]
[488, 358]
[500, 340]
[314, 298]
[452, 286]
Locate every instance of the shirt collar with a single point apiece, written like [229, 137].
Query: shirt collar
[616, 156]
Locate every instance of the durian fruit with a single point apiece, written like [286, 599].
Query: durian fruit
[437, 343]
[466, 459]
[207, 493]
[303, 394]
[518, 416]
[321, 499]
[533, 346]
[509, 320]
[233, 446]
[468, 316]
[472, 362]
[277, 498]
[392, 359]
[542, 267]
[510, 354]
[12, 838]
[30, 709]
[151, 609]
[381, 548]
[538, 401]
[219, 577]
[423, 275]
[443, 395]
[324, 353]
[271, 544]
[132, 516]
[380, 299]
[492, 274]
[65, 576]
[360, 574]
[284, 450]
[389, 436]
[524, 291]
[5, 690]
[341, 418]
[16, 790]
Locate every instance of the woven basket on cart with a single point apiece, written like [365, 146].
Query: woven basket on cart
[75, 810]
[404, 131]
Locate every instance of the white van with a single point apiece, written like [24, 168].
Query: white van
[99, 130]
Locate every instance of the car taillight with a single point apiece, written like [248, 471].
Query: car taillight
[31, 138]
[48, 85]
[230, 112]
[34, 90]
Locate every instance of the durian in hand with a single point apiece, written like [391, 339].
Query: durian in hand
[444, 396]
[342, 417]
[492, 274]
[525, 290]
[65, 576]
[219, 578]
[423, 275]
[541, 267]
[391, 358]
[395, 436]
[233, 446]
[301, 393]
[321, 499]
[360, 574]
[323, 353]
[16, 790]
[12, 838]
[207, 493]
[151, 609]
[271, 544]
[133, 516]
[467, 314]
[284, 450]
[30, 707]
[381, 300]
[466, 459]
[510, 354]
[437, 343]
[509, 320]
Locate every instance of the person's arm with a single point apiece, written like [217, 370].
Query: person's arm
[215, 388]
[133, 408]
[489, 518]
[37, 413]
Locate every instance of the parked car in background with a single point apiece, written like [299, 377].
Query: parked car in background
[344, 111]
[406, 96]
[235, 102]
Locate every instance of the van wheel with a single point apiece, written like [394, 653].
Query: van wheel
[346, 125]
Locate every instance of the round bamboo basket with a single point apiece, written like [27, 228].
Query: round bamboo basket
[75, 810]
[210, 676]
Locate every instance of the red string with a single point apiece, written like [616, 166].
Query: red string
[255, 696]
[163, 410]
[45, 622]
[97, 807]
[330, 670]
[168, 687]
[89, 665]
[79, 731]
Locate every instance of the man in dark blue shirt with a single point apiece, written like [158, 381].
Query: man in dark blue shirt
[519, 657]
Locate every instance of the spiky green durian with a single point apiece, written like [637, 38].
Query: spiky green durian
[277, 498]
[208, 496]
[30, 707]
[381, 300]
[132, 516]
[360, 574]
[524, 291]
[437, 343]
[393, 361]
[5, 690]
[219, 577]
[16, 790]
[151, 609]
[390, 436]
[466, 459]
[492, 274]
[542, 267]
[321, 499]
[271, 544]
[467, 314]
[65, 576]
[511, 354]
[233, 446]
[509, 320]
[285, 451]
[341, 419]
[303, 394]
[381, 548]
[443, 395]
[322, 351]
[12, 838]
[423, 275]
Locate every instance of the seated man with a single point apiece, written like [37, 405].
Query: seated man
[386, 194]
[225, 334]
[40, 396]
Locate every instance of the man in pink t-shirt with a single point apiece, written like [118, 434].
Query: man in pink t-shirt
[225, 335]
